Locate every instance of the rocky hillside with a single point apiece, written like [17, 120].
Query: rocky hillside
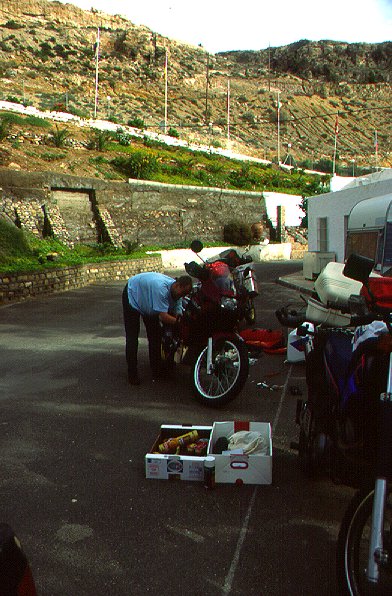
[47, 59]
[329, 61]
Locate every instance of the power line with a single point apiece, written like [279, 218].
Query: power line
[315, 116]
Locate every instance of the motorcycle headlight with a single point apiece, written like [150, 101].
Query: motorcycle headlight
[228, 303]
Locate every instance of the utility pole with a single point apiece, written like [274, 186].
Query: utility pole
[278, 121]
[336, 143]
[269, 67]
[166, 61]
[96, 74]
[228, 113]
[207, 117]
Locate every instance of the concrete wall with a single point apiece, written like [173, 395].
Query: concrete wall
[77, 209]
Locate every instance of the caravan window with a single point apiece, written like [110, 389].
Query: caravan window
[363, 243]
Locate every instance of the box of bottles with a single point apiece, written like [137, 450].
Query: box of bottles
[178, 453]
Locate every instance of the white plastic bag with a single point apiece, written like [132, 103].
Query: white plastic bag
[250, 442]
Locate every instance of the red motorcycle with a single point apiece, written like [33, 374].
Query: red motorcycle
[207, 335]
[16, 578]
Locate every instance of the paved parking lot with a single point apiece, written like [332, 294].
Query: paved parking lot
[72, 483]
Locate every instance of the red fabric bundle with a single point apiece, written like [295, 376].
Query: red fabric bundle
[269, 340]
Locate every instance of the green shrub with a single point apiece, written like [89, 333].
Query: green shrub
[14, 99]
[59, 136]
[11, 24]
[13, 241]
[137, 123]
[5, 128]
[36, 121]
[139, 165]
[100, 140]
[172, 132]
[52, 156]
[237, 233]
[123, 137]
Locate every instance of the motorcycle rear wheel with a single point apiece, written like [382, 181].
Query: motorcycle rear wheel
[353, 544]
[230, 370]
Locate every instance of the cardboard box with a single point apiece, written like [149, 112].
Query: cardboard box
[239, 468]
[183, 467]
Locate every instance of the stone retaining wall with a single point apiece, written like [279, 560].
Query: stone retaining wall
[21, 286]
[76, 209]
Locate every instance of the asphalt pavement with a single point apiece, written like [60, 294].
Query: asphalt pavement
[72, 480]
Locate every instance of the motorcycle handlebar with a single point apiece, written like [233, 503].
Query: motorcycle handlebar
[290, 318]
[358, 320]
[231, 258]
[195, 270]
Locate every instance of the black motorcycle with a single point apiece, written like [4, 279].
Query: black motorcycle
[337, 420]
[346, 425]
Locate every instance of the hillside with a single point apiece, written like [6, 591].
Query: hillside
[47, 60]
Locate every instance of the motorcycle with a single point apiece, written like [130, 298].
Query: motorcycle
[207, 334]
[337, 421]
[16, 577]
[346, 422]
[364, 551]
[245, 281]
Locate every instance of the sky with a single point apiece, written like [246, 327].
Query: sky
[222, 25]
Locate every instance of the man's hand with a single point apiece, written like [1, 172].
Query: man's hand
[167, 319]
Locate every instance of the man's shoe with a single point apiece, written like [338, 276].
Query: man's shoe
[133, 380]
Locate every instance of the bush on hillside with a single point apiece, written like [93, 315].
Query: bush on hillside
[237, 233]
[138, 165]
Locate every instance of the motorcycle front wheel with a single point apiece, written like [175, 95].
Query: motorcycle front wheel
[230, 363]
[353, 545]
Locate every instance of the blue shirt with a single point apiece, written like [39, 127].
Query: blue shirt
[149, 293]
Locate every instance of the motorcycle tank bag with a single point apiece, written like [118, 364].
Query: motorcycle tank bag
[219, 269]
[380, 292]
[221, 278]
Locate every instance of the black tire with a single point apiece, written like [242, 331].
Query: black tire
[231, 369]
[167, 359]
[353, 541]
[250, 312]
[311, 445]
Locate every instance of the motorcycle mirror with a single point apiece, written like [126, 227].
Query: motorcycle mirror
[358, 267]
[196, 246]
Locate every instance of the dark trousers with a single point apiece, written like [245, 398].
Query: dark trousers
[132, 329]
